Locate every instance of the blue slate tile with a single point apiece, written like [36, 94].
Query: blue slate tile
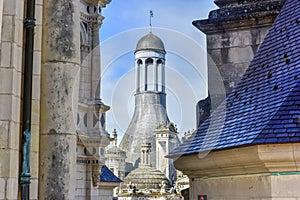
[261, 110]
[108, 176]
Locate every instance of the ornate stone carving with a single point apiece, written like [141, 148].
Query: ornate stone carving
[96, 175]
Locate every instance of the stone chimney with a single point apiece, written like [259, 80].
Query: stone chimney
[234, 33]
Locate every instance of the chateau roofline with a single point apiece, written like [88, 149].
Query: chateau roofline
[255, 159]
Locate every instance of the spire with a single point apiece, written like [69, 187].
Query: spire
[150, 24]
[115, 137]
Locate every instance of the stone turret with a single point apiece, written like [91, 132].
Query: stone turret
[150, 99]
[145, 177]
[166, 141]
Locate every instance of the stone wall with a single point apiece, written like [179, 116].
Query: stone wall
[35, 123]
[10, 96]
[267, 171]
[259, 186]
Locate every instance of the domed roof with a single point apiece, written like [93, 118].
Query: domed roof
[150, 42]
[146, 177]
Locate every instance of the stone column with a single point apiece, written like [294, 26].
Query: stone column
[162, 77]
[142, 75]
[96, 65]
[1, 13]
[146, 76]
[159, 78]
[138, 66]
[142, 158]
[59, 97]
[155, 65]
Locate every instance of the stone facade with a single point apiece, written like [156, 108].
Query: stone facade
[64, 57]
[268, 171]
[92, 137]
[11, 21]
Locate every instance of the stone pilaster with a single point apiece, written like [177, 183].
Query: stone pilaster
[1, 13]
[59, 97]
[96, 65]
[92, 137]
[35, 116]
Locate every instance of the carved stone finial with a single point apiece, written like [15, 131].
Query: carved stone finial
[103, 3]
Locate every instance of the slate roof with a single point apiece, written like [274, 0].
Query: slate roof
[108, 176]
[264, 107]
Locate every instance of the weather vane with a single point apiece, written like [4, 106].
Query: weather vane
[151, 16]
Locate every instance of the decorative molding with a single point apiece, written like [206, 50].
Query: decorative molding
[241, 161]
[102, 3]
[96, 18]
[96, 174]
[90, 141]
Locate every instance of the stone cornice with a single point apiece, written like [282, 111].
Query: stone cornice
[241, 161]
[102, 3]
[209, 27]
[107, 185]
[98, 19]
[240, 16]
[92, 141]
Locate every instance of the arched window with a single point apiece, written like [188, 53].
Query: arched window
[139, 62]
[149, 61]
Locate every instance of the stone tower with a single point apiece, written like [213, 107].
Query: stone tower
[92, 137]
[166, 141]
[150, 99]
[234, 33]
[115, 158]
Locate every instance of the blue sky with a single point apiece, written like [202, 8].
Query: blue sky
[127, 21]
